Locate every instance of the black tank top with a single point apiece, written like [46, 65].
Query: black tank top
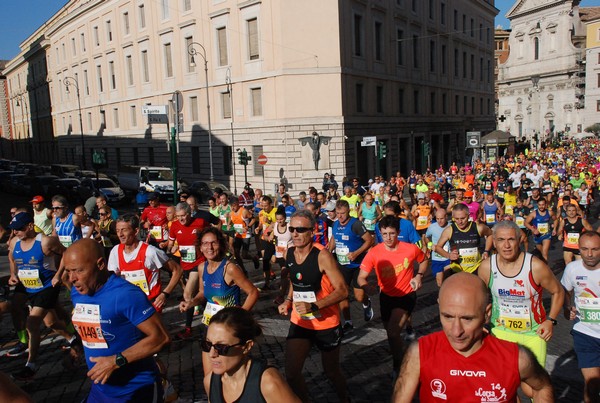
[251, 392]
[576, 227]
[465, 239]
[305, 276]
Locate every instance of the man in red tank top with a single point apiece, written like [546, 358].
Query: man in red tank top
[463, 363]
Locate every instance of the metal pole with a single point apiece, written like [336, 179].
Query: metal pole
[174, 162]
[230, 90]
[73, 81]
[192, 51]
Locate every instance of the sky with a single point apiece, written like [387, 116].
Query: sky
[25, 16]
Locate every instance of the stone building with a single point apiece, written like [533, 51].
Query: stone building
[405, 72]
[541, 85]
[591, 19]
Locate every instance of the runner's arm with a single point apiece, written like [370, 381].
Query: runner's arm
[408, 379]
[544, 277]
[235, 274]
[586, 225]
[535, 376]
[329, 267]
[275, 389]
[176, 272]
[569, 309]
[439, 247]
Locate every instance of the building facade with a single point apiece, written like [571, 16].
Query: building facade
[405, 72]
[541, 85]
[591, 19]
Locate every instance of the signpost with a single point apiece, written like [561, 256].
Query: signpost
[154, 110]
[262, 160]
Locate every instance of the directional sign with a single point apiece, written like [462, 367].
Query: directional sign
[154, 109]
[262, 159]
[158, 119]
[369, 141]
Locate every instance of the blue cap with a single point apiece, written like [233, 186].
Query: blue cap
[20, 220]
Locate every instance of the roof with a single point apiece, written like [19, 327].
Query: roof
[497, 137]
[589, 13]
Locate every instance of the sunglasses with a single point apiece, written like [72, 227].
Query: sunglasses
[58, 208]
[103, 214]
[300, 230]
[221, 349]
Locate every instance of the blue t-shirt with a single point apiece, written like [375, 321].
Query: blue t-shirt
[434, 231]
[116, 310]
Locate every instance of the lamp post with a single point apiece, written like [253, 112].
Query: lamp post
[19, 97]
[193, 51]
[73, 81]
[230, 92]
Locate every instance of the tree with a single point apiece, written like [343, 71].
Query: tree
[595, 128]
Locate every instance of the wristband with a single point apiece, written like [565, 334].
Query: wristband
[419, 274]
[166, 294]
[289, 299]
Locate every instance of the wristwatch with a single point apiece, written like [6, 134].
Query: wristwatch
[120, 360]
[554, 321]
[314, 307]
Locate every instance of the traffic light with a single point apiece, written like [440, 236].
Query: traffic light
[382, 150]
[426, 149]
[243, 157]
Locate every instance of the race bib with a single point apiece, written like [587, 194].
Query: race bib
[310, 297]
[520, 221]
[342, 255]
[369, 224]
[500, 194]
[469, 255]
[543, 228]
[515, 317]
[589, 309]
[30, 279]
[137, 277]
[280, 248]
[509, 209]
[156, 232]
[490, 218]
[66, 240]
[422, 221]
[573, 238]
[209, 311]
[188, 253]
[86, 319]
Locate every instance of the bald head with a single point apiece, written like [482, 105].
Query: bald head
[85, 266]
[467, 284]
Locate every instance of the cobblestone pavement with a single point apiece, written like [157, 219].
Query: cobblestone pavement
[365, 357]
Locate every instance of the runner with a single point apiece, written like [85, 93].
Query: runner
[66, 225]
[539, 222]
[490, 209]
[282, 238]
[242, 220]
[118, 326]
[569, 231]
[369, 213]
[394, 263]
[460, 363]
[421, 214]
[581, 280]
[266, 217]
[317, 289]
[464, 237]
[520, 213]
[438, 262]
[353, 200]
[154, 219]
[516, 280]
[42, 216]
[351, 241]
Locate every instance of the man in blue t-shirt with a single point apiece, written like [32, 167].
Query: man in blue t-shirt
[118, 326]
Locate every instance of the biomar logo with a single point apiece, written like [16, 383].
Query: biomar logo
[511, 293]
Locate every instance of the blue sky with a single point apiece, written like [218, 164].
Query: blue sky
[23, 17]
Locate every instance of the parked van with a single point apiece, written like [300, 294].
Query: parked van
[154, 179]
[63, 170]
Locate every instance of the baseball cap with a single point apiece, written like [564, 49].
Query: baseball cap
[20, 220]
[421, 196]
[37, 199]
[468, 193]
[330, 206]
[153, 195]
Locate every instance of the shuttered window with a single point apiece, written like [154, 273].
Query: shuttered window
[253, 51]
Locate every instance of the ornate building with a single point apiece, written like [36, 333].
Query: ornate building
[541, 85]
[591, 19]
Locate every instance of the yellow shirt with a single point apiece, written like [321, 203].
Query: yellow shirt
[353, 201]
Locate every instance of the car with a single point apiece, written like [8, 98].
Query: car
[24, 168]
[9, 165]
[66, 187]
[64, 170]
[89, 174]
[40, 184]
[205, 189]
[107, 187]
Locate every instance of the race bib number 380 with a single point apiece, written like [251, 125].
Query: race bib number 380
[86, 318]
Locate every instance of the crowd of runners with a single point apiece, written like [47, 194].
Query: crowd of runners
[482, 231]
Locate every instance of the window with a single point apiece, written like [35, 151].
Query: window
[168, 60]
[443, 13]
[378, 41]
[108, 31]
[96, 37]
[73, 47]
[187, 5]
[359, 98]
[253, 51]
[228, 160]
[415, 46]
[481, 69]
[455, 20]
[444, 104]
[432, 56]
[413, 5]
[103, 118]
[126, 27]
[598, 105]
[188, 43]
[357, 35]
[226, 105]
[64, 51]
[444, 59]
[456, 63]
[464, 24]
[151, 156]
[133, 115]
[99, 75]
[472, 67]
[465, 105]
[82, 42]
[431, 10]
[142, 15]
[194, 109]
[379, 98]
[129, 67]
[416, 101]
[432, 102]
[472, 27]
[598, 82]
[456, 105]
[481, 32]
[472, 105]
[86, 84]
[464, 65]
[489, 106]
[536, 48]
[116, 118]
[222, 45]
[256, 96]
[164, 7]
[400, 47]
[113, 77]
[145, 71]
[401, 100]
[89, 121]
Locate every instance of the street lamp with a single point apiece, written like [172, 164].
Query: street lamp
[73, 81]
[230, 92]
[193, 52]
[19, 97]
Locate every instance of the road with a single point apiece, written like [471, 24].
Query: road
[365, 357]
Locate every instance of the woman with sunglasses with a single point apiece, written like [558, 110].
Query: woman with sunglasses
[106, 229]
[235, 376]
[220, 282]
